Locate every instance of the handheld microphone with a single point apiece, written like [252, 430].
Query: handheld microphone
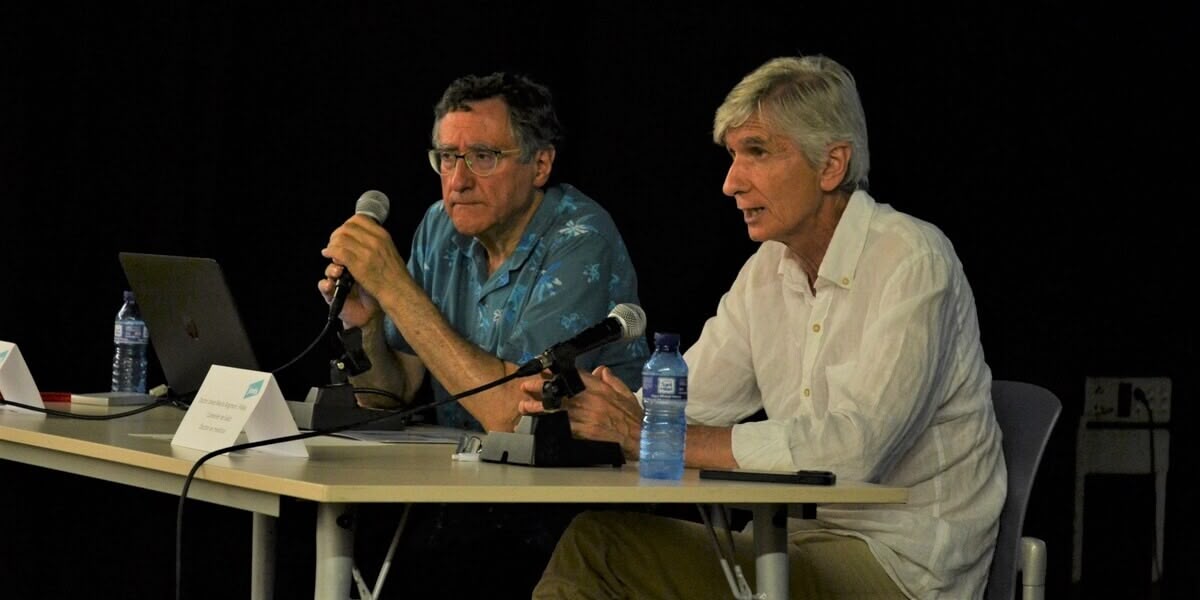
[373, 204]
[625, 322]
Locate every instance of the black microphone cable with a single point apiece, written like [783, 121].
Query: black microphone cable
[1140, 396]
[387, 414]
[173, 398]
[329, 324]
[320, 336]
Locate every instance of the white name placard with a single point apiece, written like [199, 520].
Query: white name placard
[16, 382]
[234, 400]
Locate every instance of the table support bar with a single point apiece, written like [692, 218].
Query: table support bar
[770, 549]
[335, 551]
[262, 555]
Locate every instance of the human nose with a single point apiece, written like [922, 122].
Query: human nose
[460, 175]
[734, 183]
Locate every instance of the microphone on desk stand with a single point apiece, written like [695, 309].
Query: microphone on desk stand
[549, 445]
[545, 440]
[335, 404]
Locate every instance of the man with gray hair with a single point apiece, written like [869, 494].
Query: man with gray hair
[854, 328]
[504, 266]
[501, 268]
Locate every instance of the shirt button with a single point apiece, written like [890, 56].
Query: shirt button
[816, 328]
[807, 392]
[845, 281]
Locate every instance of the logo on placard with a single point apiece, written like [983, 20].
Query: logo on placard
[254, 388]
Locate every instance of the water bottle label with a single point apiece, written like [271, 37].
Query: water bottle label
[665, 387]
[130, 333]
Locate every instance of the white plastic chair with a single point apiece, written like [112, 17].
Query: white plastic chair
[1026, 414]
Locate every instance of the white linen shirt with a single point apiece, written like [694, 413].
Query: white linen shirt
[879, 376]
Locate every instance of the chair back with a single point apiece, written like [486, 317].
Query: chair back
[1026, 414]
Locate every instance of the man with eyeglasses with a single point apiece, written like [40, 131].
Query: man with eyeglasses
[501, 268]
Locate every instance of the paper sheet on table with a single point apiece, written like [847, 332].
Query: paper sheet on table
[413, 434]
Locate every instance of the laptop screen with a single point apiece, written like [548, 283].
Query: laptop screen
[191, 315]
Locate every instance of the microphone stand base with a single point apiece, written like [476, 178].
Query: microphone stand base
[545, 441]
[335, 405]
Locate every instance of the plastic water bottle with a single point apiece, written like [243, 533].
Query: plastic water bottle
[664, 397]
[130, 342]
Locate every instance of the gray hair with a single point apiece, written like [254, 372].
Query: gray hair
[531, 115]
[811, 99]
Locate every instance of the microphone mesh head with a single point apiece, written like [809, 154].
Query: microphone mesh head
[374, 204]
[632, 318]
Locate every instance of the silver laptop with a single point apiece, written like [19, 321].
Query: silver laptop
[191, 315]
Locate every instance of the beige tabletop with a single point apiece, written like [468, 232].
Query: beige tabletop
[348, 471]
[137, 451]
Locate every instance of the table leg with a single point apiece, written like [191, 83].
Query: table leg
[770, 550]
[335, 551]
[262, 555]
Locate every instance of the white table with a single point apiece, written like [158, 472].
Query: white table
[136, 451]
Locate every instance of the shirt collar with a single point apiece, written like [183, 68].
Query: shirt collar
[845, 248]
[537, 229]
[542, 221]
[849, 239]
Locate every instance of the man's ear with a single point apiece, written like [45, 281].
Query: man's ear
[543, 163]
[837, 161]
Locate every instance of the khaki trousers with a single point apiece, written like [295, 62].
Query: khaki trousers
[619, 555]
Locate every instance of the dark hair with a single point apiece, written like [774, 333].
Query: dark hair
[530, 107]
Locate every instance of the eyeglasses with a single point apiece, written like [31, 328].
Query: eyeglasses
[482, 162]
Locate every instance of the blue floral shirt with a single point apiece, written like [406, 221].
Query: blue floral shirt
[568, 272]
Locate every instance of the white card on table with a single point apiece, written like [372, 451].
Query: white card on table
[234, 400]
[16, 382]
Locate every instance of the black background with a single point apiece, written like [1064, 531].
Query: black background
[1049, 144]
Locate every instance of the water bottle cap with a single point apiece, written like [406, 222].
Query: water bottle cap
[666, 339]
[128, 296]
